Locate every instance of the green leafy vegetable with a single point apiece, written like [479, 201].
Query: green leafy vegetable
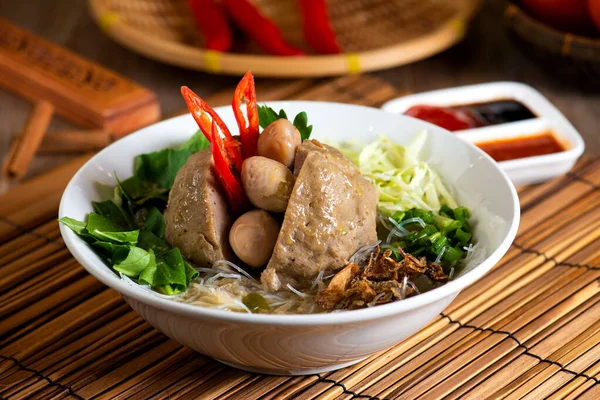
[138, 202]
[114, 253]
[154, 173]
[190, 273]
[139, 192]
[114, 213]
[161, 167]
[170, 275]
[137, 260]
[141, 254]
[96, 222]
[76, 226]
[155, 222]
[103, 229]
[149, 241]
[146, 277]
[266, 116]
[118, 237]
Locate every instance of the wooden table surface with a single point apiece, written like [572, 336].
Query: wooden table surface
[486, 55]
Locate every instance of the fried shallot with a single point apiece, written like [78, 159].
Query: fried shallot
[381, 281]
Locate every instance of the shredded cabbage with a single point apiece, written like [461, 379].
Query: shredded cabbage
[403, 181]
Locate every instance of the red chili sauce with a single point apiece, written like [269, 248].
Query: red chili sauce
[521, 147]
[469, 116]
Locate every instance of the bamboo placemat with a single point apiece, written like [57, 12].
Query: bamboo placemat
[528, 329]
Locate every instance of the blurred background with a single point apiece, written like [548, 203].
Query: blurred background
[493, 49]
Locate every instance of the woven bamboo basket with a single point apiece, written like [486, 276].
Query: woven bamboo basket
[373, 34]
[571, 57]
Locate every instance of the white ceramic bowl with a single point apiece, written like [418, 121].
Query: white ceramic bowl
[305, 344]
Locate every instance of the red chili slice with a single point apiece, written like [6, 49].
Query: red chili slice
[232, 187]
[246, 94]
[206, 117]
[453, 120]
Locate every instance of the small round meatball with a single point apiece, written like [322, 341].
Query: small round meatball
[253, 236]
[279, 141]
[267, 183]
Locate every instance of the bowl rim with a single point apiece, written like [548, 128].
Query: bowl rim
[74, 244]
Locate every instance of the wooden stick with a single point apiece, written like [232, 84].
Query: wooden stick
[25, 146]
[75, 142]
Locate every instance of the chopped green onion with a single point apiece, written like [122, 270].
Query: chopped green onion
[437, 237]
[462, 236]
[462, 214]
[452, 226]
[398, 216]
[446, 211]
[452, 254]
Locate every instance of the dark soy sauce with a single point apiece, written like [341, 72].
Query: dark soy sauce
[468, 116]
[497, 112]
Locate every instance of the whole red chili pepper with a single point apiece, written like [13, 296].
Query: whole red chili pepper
[211, 21]
[205, 116]
[230, 184]
[317, 28]
[259, 28]
[245, 93]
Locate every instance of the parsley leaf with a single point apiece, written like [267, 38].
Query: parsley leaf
[266, 116]
[301, 123]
